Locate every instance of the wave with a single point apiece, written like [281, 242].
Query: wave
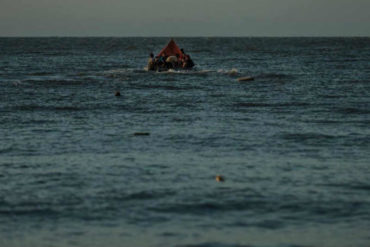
[252, 104]
[140, 195]
[53, 82]
[201, 207]
[46, 108]
[196, 71]
[28, 212]
[342, 121]
[277, 76]
[17, 82]
[6, 149]
[41, 73]
[350, 186]
[328, 96]
[214, 244]
[231, 72]
[166, 87]
[296, 208]
[186, 72]
[351, 110]
[308, 136]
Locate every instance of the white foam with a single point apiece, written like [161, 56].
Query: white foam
[232, 71]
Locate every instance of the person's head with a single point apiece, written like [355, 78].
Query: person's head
[182, 50]
[151, 55]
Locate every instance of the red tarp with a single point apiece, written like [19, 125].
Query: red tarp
[171, 50]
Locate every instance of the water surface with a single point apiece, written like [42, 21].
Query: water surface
[293, 145]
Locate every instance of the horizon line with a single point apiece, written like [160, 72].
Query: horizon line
[189, 36]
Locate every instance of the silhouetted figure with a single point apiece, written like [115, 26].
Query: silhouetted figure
[151, 62]
[188, 63]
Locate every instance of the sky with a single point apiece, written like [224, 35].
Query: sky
[184, 18]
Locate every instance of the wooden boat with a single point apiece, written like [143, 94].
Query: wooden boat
[170, 57]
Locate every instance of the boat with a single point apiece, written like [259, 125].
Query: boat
[170, 57]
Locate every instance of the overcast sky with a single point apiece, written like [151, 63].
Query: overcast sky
[184, 18]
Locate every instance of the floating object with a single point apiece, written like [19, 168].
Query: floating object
[141, 134]
[220, 178]
[117, 93]
[246, 78]
[170, 57]
[233, 72]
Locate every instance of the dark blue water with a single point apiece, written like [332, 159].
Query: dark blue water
[293, 145]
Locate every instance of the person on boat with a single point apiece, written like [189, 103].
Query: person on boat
[188, 63]
[172, 61]
[161, 61]
[182, 58]
[151, 62]
[179, 61]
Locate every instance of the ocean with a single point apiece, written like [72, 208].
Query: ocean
[293, 145]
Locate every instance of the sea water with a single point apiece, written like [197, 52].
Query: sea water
[293, 146]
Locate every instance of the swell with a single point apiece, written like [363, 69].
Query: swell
[352, 110]
[356, 186]
[215, 244]
[167, 87]
[118, 196]
[254, 104]
[54, 82]
[307, 136]
[278, 76]
[294, 209]
[47, 212]
[46, 108]
[6, 149]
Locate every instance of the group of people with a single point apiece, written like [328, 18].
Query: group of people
[164, 62]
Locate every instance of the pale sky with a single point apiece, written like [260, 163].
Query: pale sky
[184, 18]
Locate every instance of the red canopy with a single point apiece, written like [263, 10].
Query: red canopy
[171, 50]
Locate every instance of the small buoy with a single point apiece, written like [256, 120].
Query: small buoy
[247, 78]
[220, 178]
[141, 134]
[117, 93]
